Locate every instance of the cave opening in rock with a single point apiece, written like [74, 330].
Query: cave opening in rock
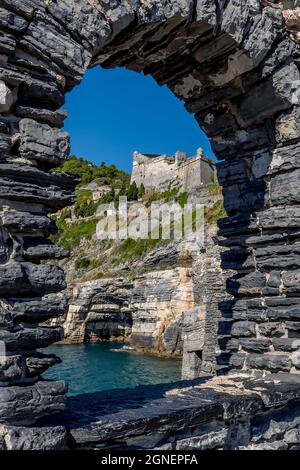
[146, 312]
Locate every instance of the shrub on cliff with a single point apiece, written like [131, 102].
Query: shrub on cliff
[132, 192]
[142, 191]
[82, 263]
[88, 171]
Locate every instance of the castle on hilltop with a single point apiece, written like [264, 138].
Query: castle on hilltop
[161, 173]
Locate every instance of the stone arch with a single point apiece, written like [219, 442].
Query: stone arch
[236, 67]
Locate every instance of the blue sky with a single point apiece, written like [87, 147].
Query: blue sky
[114, 112]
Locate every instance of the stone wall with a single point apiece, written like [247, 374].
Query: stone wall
[200, 325]
[220, 414]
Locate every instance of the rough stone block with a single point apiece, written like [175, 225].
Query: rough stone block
[21, 338]
[271, 329]
[25, 405]
[6, 98]
[210, 440]
[249, 344]
[287, 125]
[43, 143]
[271, 362]
[41, 438]
[28, 222]
[11, 368]
[243, 329]
[292, 436]
[37, 364]
[30, 185]
[27, 278]
[245, 284]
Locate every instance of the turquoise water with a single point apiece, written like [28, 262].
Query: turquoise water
[94, 367]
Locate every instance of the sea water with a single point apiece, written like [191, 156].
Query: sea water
[94, 367]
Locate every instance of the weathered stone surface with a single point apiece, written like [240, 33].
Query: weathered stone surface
[11, 368]
[34, 438]
[26, 278]
[6, 97]
[86, 22]
[25, 405]
[43, 143]
[38, 248]
[242, 421]
[28, 222]
[158, 299]
[7, 44]
[70, 57]
[37, 310]
[272, 362]
[26, 183]
[53, 118]
[37, 364]
[6, 245]
[249, 344]
[292, 436]
[210, 440]
[21, 338]
[6, 319]
[243, 329]
[37, 89]
[24, 8]
[11, 22]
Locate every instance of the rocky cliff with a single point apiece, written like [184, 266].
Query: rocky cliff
[151, 310]
[135, 290]
[138, 312]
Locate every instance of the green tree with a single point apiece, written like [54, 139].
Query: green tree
[132, 192]
[142, 191]
[88, 171]
[108, 197]
[82, 263]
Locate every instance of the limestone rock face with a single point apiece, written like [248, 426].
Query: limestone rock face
[6, 98]
[99, 311]
[142, 312]
[152, 312]
[33, 438]
[158, 299]
[43, 143]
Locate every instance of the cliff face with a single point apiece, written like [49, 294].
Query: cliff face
[158, 300]
[140, 312]
[159, 311]
[138, 291]
[98, 311]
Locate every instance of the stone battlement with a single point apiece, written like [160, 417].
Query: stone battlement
[161, 172]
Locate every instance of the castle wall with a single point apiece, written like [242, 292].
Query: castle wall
[208, 172]
[161, 173]
[156, 174]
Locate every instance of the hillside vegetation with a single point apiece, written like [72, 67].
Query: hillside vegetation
[77, 224]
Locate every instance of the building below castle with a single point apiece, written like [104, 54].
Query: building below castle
[160, 172]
